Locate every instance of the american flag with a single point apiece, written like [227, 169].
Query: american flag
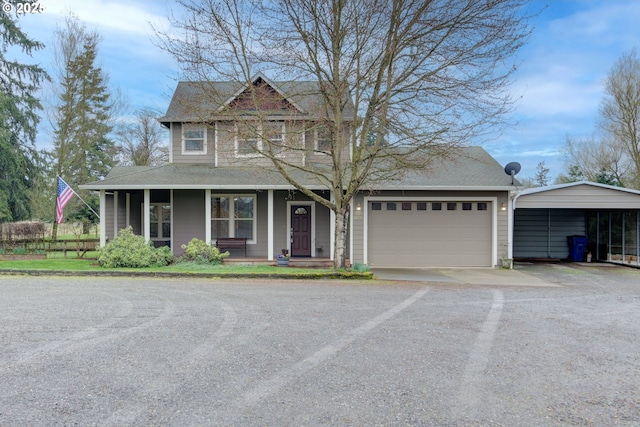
[65, 193]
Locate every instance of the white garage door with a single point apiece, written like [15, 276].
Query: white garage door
[429, 234]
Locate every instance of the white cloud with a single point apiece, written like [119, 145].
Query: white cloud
[131, 17]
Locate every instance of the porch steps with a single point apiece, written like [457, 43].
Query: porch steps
[293, 262]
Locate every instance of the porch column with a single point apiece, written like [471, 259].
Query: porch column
[207, 216]
[115, 214]
[146, 219]
[103, 218]
[270, 225]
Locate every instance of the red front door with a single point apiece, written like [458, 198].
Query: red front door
[301, 231]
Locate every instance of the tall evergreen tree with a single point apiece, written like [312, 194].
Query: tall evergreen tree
[82, 119]
[542, 175]
[19, 84]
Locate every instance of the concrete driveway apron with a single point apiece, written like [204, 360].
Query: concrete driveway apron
[474, 276]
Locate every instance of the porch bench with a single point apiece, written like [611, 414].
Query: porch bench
[224, 243]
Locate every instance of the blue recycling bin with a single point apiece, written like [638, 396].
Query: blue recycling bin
[577, 247]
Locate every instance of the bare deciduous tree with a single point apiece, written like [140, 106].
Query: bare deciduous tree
[620, 110]
[402, 82]
[594, 156]
[141, 141]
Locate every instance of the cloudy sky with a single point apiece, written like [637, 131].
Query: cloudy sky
[559, 80]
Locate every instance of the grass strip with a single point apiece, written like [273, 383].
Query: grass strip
[83, 266]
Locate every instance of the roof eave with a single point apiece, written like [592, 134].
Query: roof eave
[442, 188]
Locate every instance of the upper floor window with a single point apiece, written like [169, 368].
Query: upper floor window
[323, 138]
[194, 139]
[252, 137]
[273, 132]
[247, 139]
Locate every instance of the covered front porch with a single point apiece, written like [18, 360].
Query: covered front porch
[268, 221]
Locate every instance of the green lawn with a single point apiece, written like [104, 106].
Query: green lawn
[78, 264]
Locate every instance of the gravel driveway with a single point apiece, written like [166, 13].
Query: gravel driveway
[171, 352]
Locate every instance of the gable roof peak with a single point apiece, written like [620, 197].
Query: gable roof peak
[255, 80]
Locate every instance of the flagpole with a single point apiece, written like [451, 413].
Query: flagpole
[74, 192]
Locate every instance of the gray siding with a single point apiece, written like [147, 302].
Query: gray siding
[188, 218]
[176, 148]
[110, 216]
[122, 211]
[135, 214]
[280, 232]
[542, 233]
[358, 229]
[259, 249]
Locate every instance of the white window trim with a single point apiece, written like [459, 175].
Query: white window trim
[232, 219]
[188, 126]
[259, 140]
[283, 138]
[236, 144]
[161, 237]
[316, 149]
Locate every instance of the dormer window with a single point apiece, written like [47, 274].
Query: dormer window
[194, 139]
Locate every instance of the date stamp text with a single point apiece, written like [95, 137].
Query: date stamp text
[22, 8]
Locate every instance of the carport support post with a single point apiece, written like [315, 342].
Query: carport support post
[510, 216]
[549, 233]
[598, 235]
[609, 245]
[624, 237]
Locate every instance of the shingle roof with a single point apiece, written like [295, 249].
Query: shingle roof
[197, 101]
[473, 169]
[470, 167]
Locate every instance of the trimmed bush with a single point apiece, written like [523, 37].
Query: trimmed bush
[131, 251]
[360, 268]
[200, 252]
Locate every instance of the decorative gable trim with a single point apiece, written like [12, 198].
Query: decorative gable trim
[270, 83]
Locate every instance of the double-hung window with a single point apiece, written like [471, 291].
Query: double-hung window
[247, 139]
[273, 132]
[160, 221]
[252, 137]
[323, 138]
[194, 139]
[233, 216]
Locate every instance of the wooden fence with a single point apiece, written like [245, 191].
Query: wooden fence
[29, 246]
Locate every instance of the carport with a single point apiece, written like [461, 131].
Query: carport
[608, 216]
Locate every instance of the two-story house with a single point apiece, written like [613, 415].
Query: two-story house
[216, 186]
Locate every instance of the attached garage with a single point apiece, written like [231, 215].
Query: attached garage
[423, 232]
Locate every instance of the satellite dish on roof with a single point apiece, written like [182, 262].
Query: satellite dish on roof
[512, 169]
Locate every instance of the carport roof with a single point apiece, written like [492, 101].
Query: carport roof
[578, 195]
